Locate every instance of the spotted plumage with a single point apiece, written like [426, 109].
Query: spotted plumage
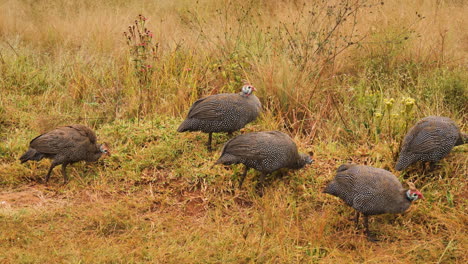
[65, 145]
[263, 151]
[371, 191]
[222, 113]
[430, 139]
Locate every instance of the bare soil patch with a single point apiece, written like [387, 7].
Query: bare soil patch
[26, 196]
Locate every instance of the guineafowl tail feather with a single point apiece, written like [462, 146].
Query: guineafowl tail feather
[31, 154]
[399, 166]
[330, 188]
[402, 163]
[181, 128]
[185, 126]
[227, 159]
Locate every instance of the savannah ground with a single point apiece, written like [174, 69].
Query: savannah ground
[344, 78]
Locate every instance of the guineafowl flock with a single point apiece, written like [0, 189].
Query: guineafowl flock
[369, 190]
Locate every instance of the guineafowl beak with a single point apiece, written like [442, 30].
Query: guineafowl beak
[420, 195]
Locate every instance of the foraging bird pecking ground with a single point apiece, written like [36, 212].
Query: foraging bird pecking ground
[263, 151]
[222, 113]
[371, 191]
[429, 140]
[65, 145]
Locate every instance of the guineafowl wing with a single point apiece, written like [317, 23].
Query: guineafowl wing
[255, 145]
[345, 181]
[245, 146]
[213, 107]
[426, 140]
[51, 143]
[85, 132]
[62, 138]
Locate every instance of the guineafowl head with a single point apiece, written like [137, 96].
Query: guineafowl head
[304, 159]
[412, 193]
[247, 90]
[104, 148]
[463, 139]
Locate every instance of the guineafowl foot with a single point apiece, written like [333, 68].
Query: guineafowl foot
[52, 166]
[260, 190]
[372, 238]
[260, 185]
[241, 180]
[43, 181]
[428, 168]
[280, 174]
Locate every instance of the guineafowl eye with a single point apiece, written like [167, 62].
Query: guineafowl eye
[104, 149]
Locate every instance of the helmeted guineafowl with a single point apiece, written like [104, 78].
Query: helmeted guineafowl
[65, 145]
[222, 112]
[263, 151]
[371, 191]
[430, 139]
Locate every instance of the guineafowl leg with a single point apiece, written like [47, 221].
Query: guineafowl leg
[261, 184]
[64, 172]
[243, 176]
[52, 166]
[432, 166]
[209, 141]
[370, 237]
[423, 166]
[356, 219]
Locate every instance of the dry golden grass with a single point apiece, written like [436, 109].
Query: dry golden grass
[158, 199]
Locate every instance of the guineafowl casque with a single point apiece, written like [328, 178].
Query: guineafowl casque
[222, 113]
[430, 139]
[65, 145]
[263, 151]
[371, 191]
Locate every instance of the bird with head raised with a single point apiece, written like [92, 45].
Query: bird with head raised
[226, 112]
[65, 145]
[371, 191]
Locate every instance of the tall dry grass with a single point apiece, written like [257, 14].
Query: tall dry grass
[297, 53]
